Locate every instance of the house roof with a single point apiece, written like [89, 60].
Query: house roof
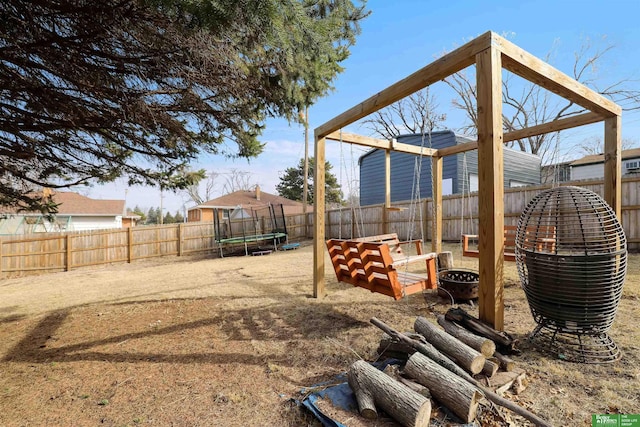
[247, 199]
[599, 158]
[76, 204]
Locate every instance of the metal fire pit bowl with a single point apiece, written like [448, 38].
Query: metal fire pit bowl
[461, 285]
[571, 254]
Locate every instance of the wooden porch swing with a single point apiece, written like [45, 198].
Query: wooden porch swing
[373, 262]
[370, 265]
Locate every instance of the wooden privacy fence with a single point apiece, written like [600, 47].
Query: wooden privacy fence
[411, 220]
[41, 253]
[50, 252]
[47, 252]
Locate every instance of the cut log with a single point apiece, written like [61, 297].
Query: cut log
[490, 368]
[506, 363]
[465, 356]
[504, 381]
[445, 261]
[394, 372]
[373, 387]
[504, 342]
[392, 348]
[482, 344]
[453, 368]
[449, 389]
[423, 348]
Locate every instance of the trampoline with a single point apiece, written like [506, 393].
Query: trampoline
[248, 227]
[273, 237]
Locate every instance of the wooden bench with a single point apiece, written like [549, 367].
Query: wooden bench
[395, 245]
[544, 237]
[370, 265]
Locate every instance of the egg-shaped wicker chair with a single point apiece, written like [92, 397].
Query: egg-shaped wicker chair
[571, 254]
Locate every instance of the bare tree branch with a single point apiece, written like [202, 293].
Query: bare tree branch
[200, 192]
[595, 145]
[533, 105]
[237, 180]
[415, 114]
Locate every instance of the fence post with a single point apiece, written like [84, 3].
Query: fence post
[67, 264]
[180, 230]
[130, 245]
[105, 242]
[1, 243]
[385, 219]
[353, 221]
[327, 226]
[157, 242]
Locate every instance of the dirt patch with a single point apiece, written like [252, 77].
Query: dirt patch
[188, 342]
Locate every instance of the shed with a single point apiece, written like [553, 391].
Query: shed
[459, 172]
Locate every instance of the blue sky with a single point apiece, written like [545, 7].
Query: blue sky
[402, 36]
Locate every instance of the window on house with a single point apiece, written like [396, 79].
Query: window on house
[447, 187]
[513, 183]
[473, 182]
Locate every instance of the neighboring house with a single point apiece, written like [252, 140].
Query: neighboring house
[240, 204]
[459, 171]
[556, 173]
[75, 213]
[592, 166]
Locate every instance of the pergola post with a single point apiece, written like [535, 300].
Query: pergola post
[318, 219]
[387, 191]
[490, 187]
[613, 164]
[436, 200]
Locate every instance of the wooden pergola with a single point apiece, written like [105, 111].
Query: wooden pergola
[490, 53]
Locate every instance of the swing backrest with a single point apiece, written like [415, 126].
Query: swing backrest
[370, 265]
[394, 243]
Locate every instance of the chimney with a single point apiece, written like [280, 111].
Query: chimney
[257, 192]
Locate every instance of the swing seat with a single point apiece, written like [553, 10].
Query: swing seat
[544, 237]
[395, 245]
[370, 265]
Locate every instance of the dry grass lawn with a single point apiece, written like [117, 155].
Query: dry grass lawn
[228, 342]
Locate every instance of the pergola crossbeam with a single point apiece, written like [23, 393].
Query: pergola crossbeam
[382, 144]
[524, 64]
[441, 68]
[554, 126]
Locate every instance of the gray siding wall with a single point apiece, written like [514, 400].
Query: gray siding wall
[404, 169]
[518, 166]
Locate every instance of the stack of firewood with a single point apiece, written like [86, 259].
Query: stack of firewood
[440, 364]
